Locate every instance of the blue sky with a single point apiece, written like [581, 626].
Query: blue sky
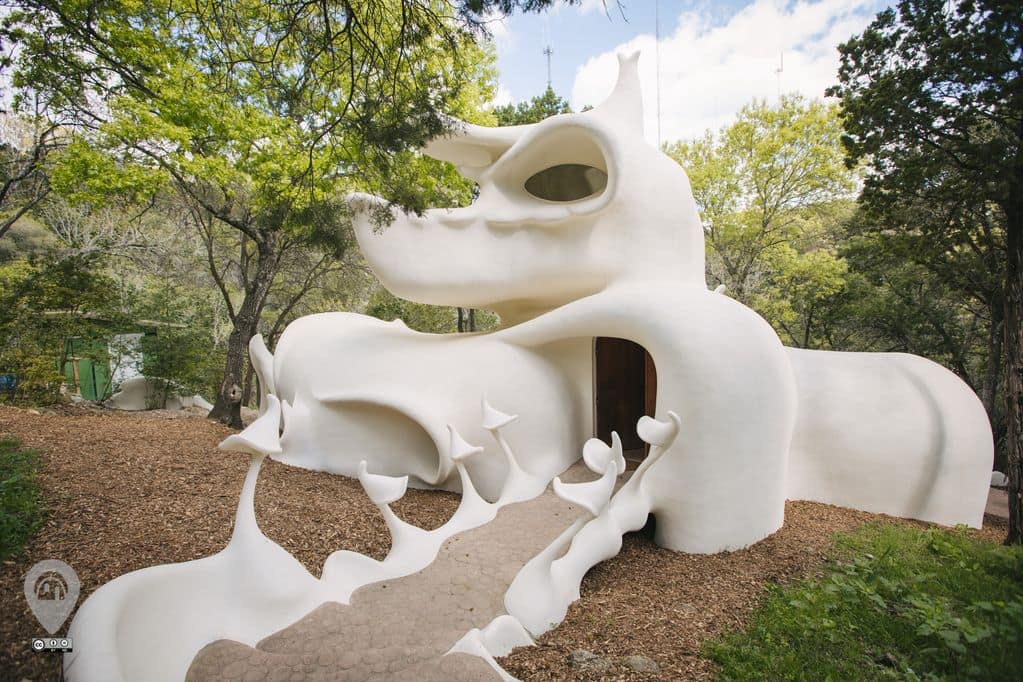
[714, 56]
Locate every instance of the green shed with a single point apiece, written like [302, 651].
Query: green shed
[87, 368]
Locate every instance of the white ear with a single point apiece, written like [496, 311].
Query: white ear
[471, 147]
[625, 103]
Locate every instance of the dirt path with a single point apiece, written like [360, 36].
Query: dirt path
[400, 629]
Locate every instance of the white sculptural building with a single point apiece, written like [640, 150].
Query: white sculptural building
[581, 231]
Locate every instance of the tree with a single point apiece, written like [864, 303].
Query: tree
[932, 99]
[535, 110]
[767, 179]
[26, 143]
[940, 302]
[801, 292]
[260, 114]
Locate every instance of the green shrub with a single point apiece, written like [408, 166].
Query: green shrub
[21, 510]
[898, 603]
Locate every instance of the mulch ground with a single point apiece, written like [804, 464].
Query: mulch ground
[126, 491]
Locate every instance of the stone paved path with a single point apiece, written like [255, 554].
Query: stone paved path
[400, 629]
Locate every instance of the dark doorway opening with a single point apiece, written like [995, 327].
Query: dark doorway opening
[624, 389]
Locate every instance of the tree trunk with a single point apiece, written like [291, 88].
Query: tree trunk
[227, 408]
[461, 320]
[993, 370]
[472, 319]
[247, 385]
[1014, 368]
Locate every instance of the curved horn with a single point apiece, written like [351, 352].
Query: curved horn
[471, 148]
[625, 103]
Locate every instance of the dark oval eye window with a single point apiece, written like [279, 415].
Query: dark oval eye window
[567, 182]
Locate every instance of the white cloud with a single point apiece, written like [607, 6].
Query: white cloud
[587, 6]
[501, 97]
[497, 24]
[708, 72]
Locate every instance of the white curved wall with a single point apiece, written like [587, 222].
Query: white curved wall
[338, 368]
[890, 433]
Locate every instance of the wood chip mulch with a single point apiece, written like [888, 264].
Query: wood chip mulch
[126, 491]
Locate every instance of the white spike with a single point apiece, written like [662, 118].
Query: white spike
[460, 450]
[263, 363]
[597, 455]
[657, 432]
[495, 419]
[382, 489]
[261, 437]
[720, 289]
[592, 496]
[625, 103]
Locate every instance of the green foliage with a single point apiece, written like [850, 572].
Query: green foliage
[803, 293]
[249, 106]
[898, 603]
[773, 193]
[260, 115]
[931, 94]
[431, 319]
[179, 350]
[535, 110]
[21, 509]
[42, 305]
[916, 296]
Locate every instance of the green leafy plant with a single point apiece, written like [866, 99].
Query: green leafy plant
[897, 603]
[21, 509]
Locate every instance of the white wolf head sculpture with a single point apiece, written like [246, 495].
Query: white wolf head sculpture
[566, 208]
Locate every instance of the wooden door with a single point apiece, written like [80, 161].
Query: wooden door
[625, 388]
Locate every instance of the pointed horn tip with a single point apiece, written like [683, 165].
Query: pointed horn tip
[459, 448]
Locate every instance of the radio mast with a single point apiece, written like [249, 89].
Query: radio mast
[548, 51]
[777, 72]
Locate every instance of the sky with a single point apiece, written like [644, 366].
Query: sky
[714, 56]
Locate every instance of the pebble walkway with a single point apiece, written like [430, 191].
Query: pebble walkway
[400, 629]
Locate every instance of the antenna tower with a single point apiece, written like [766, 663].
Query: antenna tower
[657, 61]
[777, 72]
[548, 51]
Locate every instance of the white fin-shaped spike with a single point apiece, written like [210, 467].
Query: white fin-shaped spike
[592, 496]
[472, 147]
[533, 598]
[617, 452]
[625, 103]
[597, 455]
[263, 363]
[382, 489]
[473, 644]
[261, 437]
[495, 419]
[720, 289]
[504, 634]
[460, 450]
[657, 432]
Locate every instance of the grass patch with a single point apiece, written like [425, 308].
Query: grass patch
[21, 510]
[897, 603]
